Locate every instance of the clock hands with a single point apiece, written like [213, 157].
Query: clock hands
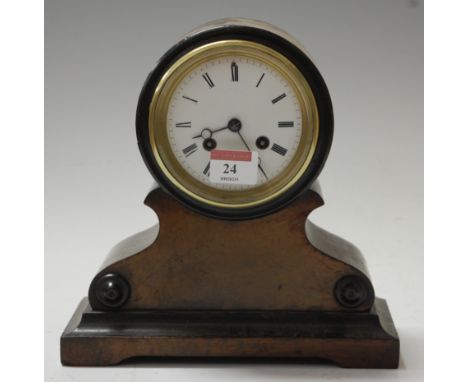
[261, 168]
[259, 159]
[243, 141]
[233, 125]
[207, 133]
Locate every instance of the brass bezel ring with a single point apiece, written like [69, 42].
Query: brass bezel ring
[314, 82]
[198, 190]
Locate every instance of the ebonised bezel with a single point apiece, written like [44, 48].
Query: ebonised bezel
[290, 51]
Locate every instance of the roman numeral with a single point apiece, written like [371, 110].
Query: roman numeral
[279, 98]
[183, 124]
[279, 149]
[206, 171]
[234, 72]
[208, 80]
[260, 80]
[286, 124]
[190, 99]
[189, 150]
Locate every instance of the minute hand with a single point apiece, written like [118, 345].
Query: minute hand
[248, 148]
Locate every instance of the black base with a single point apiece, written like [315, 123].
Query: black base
[363, 340]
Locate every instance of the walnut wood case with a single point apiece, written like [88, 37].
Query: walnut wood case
[196, 286]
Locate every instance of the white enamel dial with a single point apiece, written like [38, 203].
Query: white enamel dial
[234, 88]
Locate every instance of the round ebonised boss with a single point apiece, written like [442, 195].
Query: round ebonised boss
[235, 85]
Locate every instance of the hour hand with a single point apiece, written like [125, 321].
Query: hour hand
[207, 133]
[201, 134]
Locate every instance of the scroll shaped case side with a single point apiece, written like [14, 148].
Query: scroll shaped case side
[268, 263]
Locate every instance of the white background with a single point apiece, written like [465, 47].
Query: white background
[97, 56]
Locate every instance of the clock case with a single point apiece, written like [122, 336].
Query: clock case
[195, 286]
[277, 42]
[272, 286]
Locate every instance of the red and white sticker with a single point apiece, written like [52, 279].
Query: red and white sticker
[233, 167]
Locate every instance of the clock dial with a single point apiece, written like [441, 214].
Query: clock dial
[234, 95]
[241, 90]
